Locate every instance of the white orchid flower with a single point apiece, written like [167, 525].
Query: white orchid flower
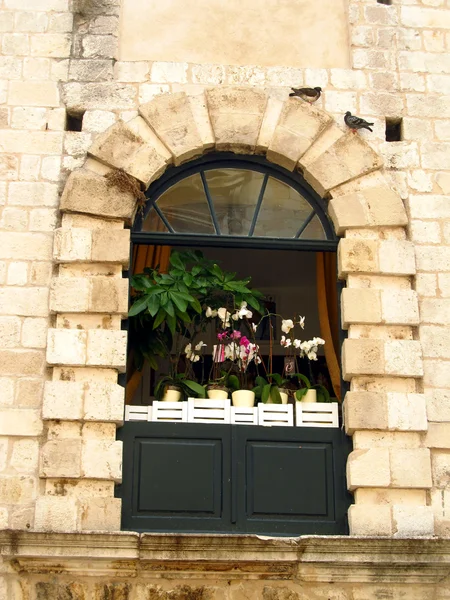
[195, 358]
[188, 350]
[254, 326]
[199, 346]
[286, 342]
[235, 317]
[210, 312]
[297, 343]
[224, 316]
[312, 355]
[286, 325]
[302, 322]
[244, 312]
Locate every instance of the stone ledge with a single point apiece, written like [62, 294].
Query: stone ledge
[302, 559]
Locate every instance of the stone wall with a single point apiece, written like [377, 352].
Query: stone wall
[396, 305]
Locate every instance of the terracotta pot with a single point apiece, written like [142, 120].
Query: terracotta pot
[284, 397]
[217, 393]
[243, 398]
[172, 394]
[310, 396]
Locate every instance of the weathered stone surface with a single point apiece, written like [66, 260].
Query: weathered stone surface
[299, 125]
[101, 514]
[106, 348]
[56, 513]
[365, 410]
[368, 468]
[63, 400]
[236, 115]
[102, 460]
[360, 306]
[349, 157]
[370, 520]
[111, 246]
[104, 402]
[171, 117]
[357, 256]
[123, 148]
[61, 458]
[86, 192]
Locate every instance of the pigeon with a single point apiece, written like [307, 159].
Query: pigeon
[307, 94]
[356, 122]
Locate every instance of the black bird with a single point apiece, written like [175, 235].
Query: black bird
[307, 94]
[356, 122]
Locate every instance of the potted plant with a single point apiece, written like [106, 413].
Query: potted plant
[271, 390]
[172, 388]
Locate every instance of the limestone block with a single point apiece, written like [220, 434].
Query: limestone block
[365, 410]
[397, 257]
[269, 123]
[349, 157]
[25, 456]
[399, 307]
[438, 436]
[25, 246]
[32, 303]
[56, 513]
[104, 402]
[87, 192]
[102, 460]
[357, 256]
[438, 405]
[66, 347]
[63, 400]
[435, 310]
[411, 521]
[372, 206]
[236, 116]
[370, 520]
[406, 412]
[69, 294]
[368, 468]
[403, 358]
[33, 93]
[101, 514]
[360, 306]
[111, 246]
[362, 357]
[200, 113]
[441, 469]
[106, 348]
[391, 496]
[21, 362]
[17, 489]
[72, 245]
[21, 422]
[123, 148]
[108, 295]
[410, 467]
[171, 117]
[299, 125]
[61, 458]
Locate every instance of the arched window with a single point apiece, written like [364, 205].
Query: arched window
[196, 476]
[243, 201]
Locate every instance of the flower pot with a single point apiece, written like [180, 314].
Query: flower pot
[217, 393]
[283, 394]
[172, 394]
[243, 398]
[310, 396]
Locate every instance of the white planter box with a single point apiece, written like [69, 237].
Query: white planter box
[138, 413]
[243, 415]
[208, 411]
[316, 414]
[276, 415]
[169, 411]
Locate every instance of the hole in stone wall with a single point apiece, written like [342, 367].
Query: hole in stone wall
[386, 2]
[74, 121]
[394, 131]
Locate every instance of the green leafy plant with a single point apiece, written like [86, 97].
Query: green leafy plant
[226, 380]
[269, 388]
[187, 387]
[322, 393]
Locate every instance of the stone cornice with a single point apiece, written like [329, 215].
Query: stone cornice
[307, 559]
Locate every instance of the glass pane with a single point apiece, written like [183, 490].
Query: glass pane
[185, 207]
[234, 193]
[153, 223]
[314, 231]
[283, 211]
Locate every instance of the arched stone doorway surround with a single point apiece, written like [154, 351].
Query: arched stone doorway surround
[388, 470]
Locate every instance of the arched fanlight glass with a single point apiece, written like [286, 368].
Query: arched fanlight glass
[237, 197]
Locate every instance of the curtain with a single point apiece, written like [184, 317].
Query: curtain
[326, 269]
[143, 256]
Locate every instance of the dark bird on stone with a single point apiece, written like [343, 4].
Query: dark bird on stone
[356, 122]
[307, 94]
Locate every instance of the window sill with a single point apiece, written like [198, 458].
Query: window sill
[303, 559]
